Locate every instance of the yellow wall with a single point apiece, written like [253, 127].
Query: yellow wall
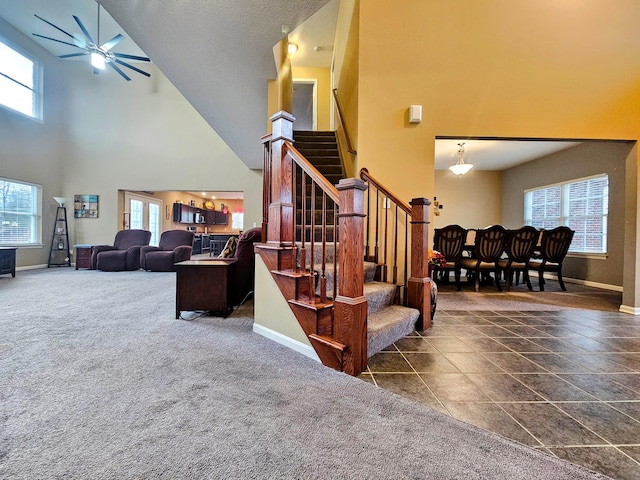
[323, 91]
[503, 68]
[346, 58]
[493, 68]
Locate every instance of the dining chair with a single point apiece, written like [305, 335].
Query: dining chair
[488, 247]
[519, 246]
[449, 241]
[554, 245]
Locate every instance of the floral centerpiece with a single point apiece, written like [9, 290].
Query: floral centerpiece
[436, 259]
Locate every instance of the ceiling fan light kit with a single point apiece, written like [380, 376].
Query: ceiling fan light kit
[100, 55]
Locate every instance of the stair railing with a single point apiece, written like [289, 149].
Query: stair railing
[314, 225]
[396, 239]
[343, 124]
[266, 183]
[294, 184]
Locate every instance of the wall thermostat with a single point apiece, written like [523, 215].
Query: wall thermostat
[415, 113]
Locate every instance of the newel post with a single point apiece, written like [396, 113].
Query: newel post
[280, 226]
[350, 305]
[419, 284]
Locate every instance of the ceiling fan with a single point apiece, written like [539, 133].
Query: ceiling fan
[101, 55]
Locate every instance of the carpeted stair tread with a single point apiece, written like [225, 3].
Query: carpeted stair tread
[388, 325]
[379, 295]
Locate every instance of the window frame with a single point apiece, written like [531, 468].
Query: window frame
[37, 92]
[36, 216]
[564, 217]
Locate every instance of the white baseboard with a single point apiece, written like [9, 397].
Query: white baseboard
[31, 267]
[631, 310]
[588, 283]
[295, 345]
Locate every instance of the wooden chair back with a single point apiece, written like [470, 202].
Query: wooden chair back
[449, 241]
[489, 243]
[519, 244]
[555, 243]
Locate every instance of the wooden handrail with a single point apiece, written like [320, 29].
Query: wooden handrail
[343, 123]
[312, 172]
[366, 176]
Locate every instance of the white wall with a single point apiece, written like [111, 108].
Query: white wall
[101, 134]
[143, 135]
[31, 150]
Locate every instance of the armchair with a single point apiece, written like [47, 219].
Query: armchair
[175, 246]
[242, 268]
[124, 254]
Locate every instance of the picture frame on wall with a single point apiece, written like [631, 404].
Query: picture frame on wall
[85, 206]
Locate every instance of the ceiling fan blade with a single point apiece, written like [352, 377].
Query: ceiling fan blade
[131, 57]
[57, 28]
[115, 67]
[73, 55]
[55, 40]
[106, 46]
[132, 67]
[79, 42]
[84, 30]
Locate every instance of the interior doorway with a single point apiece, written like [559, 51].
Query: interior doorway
[305, 104]
[145, 213]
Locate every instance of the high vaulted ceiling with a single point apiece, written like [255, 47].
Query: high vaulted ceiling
[218, 53]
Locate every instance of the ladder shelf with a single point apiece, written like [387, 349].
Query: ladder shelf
[59, 255]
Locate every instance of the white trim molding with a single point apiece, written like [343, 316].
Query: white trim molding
[631, 310]
[295, 345]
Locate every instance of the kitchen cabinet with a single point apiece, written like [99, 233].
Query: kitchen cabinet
[192, 215]
[215, 217]
[183, 213]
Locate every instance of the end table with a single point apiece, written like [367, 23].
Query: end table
[8, 260]
[83, 255]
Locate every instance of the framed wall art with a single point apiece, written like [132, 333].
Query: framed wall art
[85, 206]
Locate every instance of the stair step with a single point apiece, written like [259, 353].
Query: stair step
[331, 351]
[388, 325]
[320, 143]
[369, 273]
[312, 133]
[379, 295]
[318, 151]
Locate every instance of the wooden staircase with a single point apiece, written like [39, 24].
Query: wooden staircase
[345, 307]
[320, 149]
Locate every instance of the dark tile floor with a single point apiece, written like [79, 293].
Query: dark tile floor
[566, 382]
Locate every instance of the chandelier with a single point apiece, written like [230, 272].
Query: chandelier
[460, 168]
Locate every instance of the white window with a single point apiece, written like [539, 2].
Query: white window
[20, 82]
[582, 205]
[20, 217]
[237, 220]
